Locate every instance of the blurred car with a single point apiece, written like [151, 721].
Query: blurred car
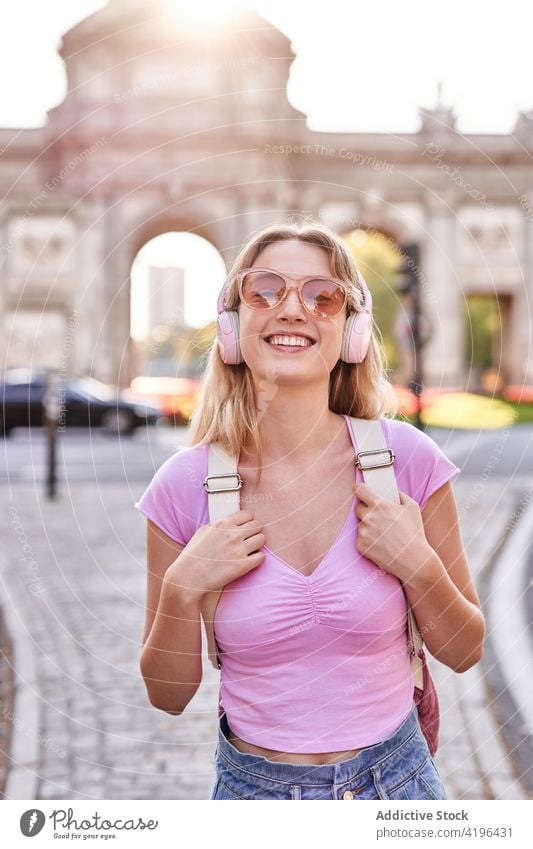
[83, 402]
[175, 396]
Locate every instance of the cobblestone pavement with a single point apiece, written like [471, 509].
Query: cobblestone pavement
[73, 579]
[475, 760]
[6, 700]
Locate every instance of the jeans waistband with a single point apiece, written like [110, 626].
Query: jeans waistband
[409, 732]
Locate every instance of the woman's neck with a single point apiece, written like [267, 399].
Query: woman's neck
[297, 441]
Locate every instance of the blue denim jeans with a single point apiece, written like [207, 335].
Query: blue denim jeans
[400, 767]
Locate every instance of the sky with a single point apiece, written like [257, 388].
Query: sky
[389, 57]
[394, 53]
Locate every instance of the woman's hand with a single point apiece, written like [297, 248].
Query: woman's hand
[217, 554]
[391, 535]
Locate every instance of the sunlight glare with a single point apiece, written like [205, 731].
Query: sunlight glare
[206, 14]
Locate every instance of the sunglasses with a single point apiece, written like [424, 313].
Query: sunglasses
[263, 289]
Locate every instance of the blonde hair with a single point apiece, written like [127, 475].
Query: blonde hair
[227, 411]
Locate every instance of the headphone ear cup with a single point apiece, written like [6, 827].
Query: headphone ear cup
[228, 337]
[356, 337]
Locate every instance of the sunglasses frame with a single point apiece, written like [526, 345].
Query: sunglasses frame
[303, 280]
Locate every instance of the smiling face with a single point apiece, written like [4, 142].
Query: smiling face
[308, 362]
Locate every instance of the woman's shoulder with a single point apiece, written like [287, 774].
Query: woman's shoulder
[187, 465]
[405, 434]
[420, 464]
[408, 442]
[400, 429]
[175, 498]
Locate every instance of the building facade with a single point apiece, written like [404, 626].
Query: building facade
[163, 128]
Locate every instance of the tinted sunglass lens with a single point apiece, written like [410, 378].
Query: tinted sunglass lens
[323, 297]
[262, 290]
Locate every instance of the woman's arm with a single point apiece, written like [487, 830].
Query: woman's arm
[441, 592]
[171, 658]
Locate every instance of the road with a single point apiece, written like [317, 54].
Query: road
[90, 455]
[85, 454]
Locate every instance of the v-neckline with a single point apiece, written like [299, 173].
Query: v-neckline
[326, 555]
[341, 532]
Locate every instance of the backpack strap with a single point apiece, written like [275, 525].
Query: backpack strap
[375, 459]
[222, 485]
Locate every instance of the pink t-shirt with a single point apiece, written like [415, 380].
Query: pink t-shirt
[318, 663]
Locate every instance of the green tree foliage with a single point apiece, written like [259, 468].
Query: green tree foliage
[378, 258]
[482, 323]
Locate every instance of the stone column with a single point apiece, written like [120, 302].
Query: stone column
[441, 297]
[88, 302]
[523, 363]
[120, 317]
[4, 248]
[115, 333]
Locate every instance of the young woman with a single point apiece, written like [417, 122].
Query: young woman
[316, 694]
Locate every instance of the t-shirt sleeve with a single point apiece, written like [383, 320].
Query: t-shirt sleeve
[442, 470]
[170, 500]
[425, 466]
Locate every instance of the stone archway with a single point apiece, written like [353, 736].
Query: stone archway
[221, 152]
[137, 230]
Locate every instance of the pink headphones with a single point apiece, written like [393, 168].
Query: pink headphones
[355, 340]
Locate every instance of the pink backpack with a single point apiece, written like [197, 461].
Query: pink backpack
[378, 473]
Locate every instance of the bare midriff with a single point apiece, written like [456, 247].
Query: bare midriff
[291, 757]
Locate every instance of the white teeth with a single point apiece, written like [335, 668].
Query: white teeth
[289, 340]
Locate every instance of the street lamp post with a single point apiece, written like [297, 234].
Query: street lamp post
[51, 418]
